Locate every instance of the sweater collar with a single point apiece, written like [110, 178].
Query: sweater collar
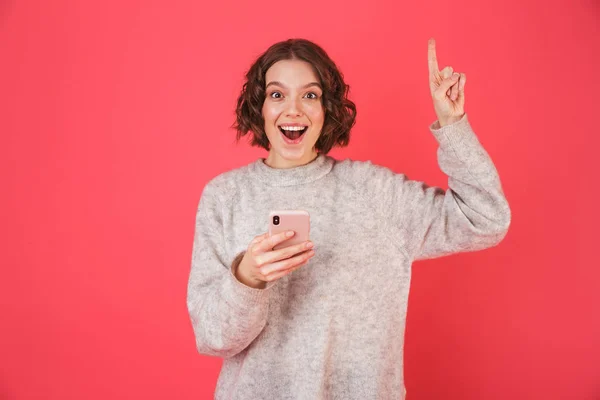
[316, 169]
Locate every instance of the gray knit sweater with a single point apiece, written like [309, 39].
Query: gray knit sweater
[334, 328]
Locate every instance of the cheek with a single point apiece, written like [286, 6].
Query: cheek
[316, 114]
[269, 112]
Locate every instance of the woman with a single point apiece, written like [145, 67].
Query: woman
[334, 328]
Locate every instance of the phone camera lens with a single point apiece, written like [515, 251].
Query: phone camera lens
[276, 220]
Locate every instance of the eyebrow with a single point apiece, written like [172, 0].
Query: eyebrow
[303, 87]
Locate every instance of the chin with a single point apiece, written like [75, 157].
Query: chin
[292, 155]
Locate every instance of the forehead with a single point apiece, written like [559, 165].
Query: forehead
[291, 73]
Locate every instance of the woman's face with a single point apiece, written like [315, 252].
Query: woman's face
[293, 113]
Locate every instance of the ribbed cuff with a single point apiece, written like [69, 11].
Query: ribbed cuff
[243, 295]
[458, 135]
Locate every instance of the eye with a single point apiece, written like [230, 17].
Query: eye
[272, 95]
[314, 95]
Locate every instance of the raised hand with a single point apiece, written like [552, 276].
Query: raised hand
[447, 89]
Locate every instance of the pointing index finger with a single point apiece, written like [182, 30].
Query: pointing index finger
[432, 58]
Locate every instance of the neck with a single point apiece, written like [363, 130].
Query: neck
[274, 160]
[301, 174]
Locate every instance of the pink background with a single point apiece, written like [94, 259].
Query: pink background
[115, 114]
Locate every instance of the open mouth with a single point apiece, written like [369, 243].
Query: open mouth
[293, 133]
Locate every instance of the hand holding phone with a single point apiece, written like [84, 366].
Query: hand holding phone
[278, 252]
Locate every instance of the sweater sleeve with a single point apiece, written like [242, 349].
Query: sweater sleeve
[472, 214]
[226, 315]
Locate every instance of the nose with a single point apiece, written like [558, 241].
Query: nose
[294, 107]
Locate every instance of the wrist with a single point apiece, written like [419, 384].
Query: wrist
[249, 281]
[241, 275]
[449, 121]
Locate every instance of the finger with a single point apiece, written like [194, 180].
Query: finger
[461, 90]
[284, 253]
[280, 274]
[271, 241]
[447, 84]
[286, 264]
[432, 58]
[446, 72]
[461, 86]
[259, 238]
[454, 88]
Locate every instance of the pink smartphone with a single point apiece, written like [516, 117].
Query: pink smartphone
[290, 220]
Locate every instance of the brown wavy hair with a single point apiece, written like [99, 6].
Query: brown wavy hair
[340, 112]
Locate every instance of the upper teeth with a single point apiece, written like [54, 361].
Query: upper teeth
[293, 128]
